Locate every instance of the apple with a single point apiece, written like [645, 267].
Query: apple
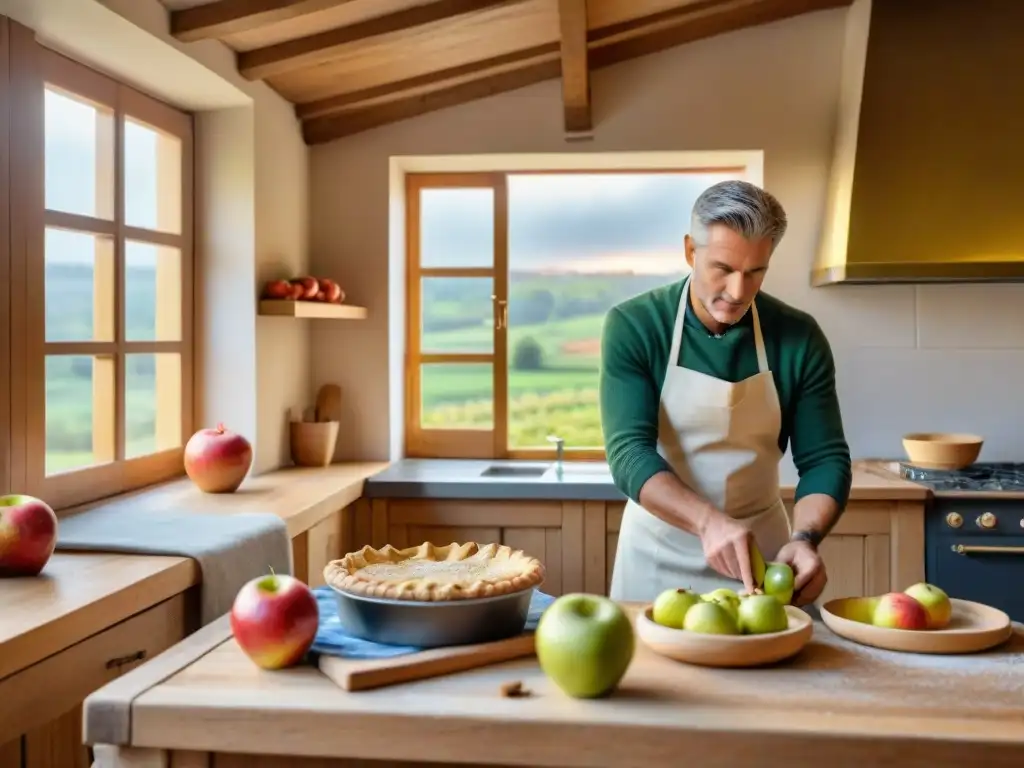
[779, 581]
[898, 610]
[726, 598]
[671, 606]
[330, 289]
[274, 620]
[935, 602]
[310, 287]
[860, 609]
[297, 290]
[278, 289]
[28, 534]
[217, 460]
[710, 618]
[761, 614]
[584, 644]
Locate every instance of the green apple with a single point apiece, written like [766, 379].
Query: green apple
[761, 614]
[778, 582]
[585, 644]
[860, 609]
[710, 618]
[935, 602]
[671, 606]
[726, 598]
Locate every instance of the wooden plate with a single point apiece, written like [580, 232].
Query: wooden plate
[974, 627]
[726, 650]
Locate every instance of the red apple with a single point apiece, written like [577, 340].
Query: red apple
[297, 290]
[330, 289]
[310, 286]
[28, 534]
[274, 620]
[217, 460]
[278, 289]
[898, 610]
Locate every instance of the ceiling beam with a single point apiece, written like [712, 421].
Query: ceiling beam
[322, 47]
[228, 17]
[572, 20]
[337, 117]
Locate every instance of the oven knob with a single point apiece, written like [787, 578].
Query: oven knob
[953, 520]
[986, 520]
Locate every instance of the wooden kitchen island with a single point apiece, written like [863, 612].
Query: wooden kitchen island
[203, 704]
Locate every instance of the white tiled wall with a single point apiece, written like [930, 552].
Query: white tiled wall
[909, 358]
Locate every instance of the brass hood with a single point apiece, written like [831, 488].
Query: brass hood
[927, 178]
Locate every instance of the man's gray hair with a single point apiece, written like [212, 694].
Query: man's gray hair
[743, 207]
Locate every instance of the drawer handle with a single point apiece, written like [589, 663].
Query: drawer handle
[960, 549]
[129, 659]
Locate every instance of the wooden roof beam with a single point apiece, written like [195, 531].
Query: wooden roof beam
[228, 17]
[572, 19]
[322, 47]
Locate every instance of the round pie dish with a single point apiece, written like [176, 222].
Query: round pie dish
[431, 596]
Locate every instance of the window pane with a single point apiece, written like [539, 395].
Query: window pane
[79, 286]
[79, 155]
[457, 314]
[152, 178]
[79, 411]
[457, 227]
[152, 399]
[457, 396]
[152, 283]
[579, 244]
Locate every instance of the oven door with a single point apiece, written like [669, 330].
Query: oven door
[985, 567]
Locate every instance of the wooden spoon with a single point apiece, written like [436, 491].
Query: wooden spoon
[328, 403]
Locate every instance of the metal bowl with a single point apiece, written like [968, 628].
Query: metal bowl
[434, 624]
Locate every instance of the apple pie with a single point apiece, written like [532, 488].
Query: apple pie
[435, 573]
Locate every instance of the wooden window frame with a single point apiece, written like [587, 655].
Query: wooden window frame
[34, 67]
[482, 443]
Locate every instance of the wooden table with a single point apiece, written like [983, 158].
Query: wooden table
[836, 704]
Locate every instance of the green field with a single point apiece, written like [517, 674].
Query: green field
[553, 384]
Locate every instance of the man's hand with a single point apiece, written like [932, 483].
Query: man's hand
[726, 546]
[809, 577]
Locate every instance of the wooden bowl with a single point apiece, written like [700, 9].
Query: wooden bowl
[974, 627]
[942, 450]
[726, 650]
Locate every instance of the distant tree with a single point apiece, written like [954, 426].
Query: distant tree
[527, 355]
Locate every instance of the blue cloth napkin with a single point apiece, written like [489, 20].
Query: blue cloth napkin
[332, 640]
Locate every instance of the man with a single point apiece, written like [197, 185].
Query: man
[703, 384]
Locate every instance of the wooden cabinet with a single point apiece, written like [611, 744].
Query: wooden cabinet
[60, 683]
[875, 547]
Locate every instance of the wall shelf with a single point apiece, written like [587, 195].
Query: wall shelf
[311, 309]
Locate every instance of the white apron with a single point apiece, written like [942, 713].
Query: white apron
[722, 441]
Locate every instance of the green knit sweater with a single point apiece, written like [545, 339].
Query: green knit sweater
[635, 345]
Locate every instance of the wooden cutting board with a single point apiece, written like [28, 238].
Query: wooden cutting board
[364, 674]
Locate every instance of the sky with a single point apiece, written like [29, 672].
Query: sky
[586, 222]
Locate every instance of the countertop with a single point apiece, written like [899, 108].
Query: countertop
[836, 703]
[580, 481]
[78, 595]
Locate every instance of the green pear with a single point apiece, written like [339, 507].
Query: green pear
[710, 618]
[778, 582]
[671, 606]
[761, 614]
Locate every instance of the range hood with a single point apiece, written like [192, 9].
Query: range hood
[927, 178]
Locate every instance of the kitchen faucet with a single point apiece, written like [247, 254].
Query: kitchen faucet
[559, 443]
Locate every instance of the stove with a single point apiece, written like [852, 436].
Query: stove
[998, 476]
[974, 532]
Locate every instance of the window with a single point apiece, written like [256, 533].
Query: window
[101, 241]
[509, 278]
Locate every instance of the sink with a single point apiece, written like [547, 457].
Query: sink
[499, 470]
[586, 469]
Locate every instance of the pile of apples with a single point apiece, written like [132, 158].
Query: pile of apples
[306, 288]
[922, 606]
[726, 612]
